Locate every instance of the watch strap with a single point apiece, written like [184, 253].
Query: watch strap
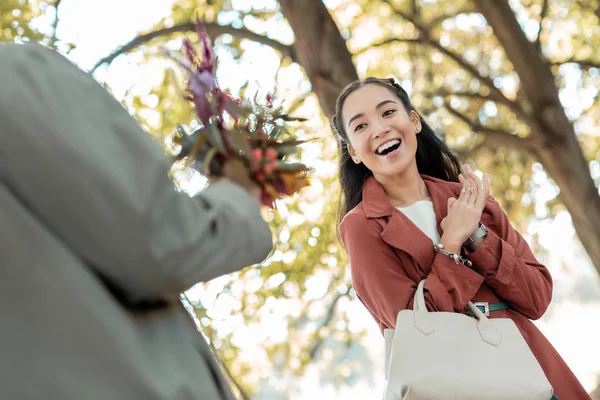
[479, 233]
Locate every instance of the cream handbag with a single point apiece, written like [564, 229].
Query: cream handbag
[445, 355]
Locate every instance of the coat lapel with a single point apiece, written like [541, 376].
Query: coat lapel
[399, 231]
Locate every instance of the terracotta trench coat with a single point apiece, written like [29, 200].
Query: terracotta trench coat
[389, 256]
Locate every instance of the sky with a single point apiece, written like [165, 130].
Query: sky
[572, 325]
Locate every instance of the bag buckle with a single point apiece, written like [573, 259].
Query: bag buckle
[484, 306]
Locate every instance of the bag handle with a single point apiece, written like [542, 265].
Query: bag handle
[489, 333]
[419, 299]
[421, 320]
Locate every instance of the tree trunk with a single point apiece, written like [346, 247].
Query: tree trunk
[555, 143]
[320, 49]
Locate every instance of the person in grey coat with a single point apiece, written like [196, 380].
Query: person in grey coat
[96, 245]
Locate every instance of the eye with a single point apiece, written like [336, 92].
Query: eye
[388, 113]
[359, 126]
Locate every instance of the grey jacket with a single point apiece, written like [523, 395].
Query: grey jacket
[96, 245]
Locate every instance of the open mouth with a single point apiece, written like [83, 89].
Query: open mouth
[388, 147]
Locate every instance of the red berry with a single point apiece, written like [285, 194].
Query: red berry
[271, 154]
[257, 154]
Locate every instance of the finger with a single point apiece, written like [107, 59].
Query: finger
[479, 188]
[451, 202]
[485, 192]
[466, 183]
[476, 185]
[472, 188]
[465, 188]
[475, 180]
[482, 194]
[486, 184]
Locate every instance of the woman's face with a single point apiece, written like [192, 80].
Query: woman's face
[381, 132]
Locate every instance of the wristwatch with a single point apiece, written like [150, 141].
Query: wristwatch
[479, 233]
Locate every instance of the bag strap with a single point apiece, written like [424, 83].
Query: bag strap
[423, 323]
[419, 299]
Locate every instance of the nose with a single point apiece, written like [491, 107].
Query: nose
[381, 129]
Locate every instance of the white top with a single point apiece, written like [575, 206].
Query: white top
[421, 213]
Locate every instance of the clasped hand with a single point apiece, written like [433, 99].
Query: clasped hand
[464, 213]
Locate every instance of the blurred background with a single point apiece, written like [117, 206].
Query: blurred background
[513, 86]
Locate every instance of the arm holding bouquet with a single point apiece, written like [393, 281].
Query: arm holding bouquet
[100, 183]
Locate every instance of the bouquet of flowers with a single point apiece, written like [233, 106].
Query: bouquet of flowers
[246, 135]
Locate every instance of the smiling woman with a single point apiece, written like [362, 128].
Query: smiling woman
[410, 217]
[415, 139]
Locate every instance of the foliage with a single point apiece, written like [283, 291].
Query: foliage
[17, 20]
[441, 51]
[446, 93]
[256, 141]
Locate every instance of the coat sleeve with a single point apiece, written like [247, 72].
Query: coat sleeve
[382, 284]
[511, 269]
[95, 178]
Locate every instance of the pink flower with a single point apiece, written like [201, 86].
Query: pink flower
[270, 168]
[208, 56]
[271, 154]
[257, 154]
[201, 78]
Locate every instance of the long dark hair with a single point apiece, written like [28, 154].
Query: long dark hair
[434, 157]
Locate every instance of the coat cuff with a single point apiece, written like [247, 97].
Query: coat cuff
[452, 285]
[236, 200]
[487, 259]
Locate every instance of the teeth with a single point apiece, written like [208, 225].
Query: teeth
[387, 145]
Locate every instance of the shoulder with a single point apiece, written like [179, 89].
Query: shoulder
[356, 216]
[356, 227]
[30, 52]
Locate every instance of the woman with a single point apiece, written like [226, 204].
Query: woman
[408, 214]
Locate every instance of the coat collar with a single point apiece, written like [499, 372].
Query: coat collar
[400, 232]
[376, 203]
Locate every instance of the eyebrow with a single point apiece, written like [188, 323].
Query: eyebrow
[383, 103]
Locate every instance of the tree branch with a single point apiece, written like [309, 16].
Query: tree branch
[438, 20]
[586, 64]
[470, 152]
[493, 137]
[414, 8]
[386, 42]
[473, 95]
[212, 29]
[318, 342]
[543, 13]
[55, 22]
[427, 39]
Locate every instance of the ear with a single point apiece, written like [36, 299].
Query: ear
[352, 153]
[415, 119]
